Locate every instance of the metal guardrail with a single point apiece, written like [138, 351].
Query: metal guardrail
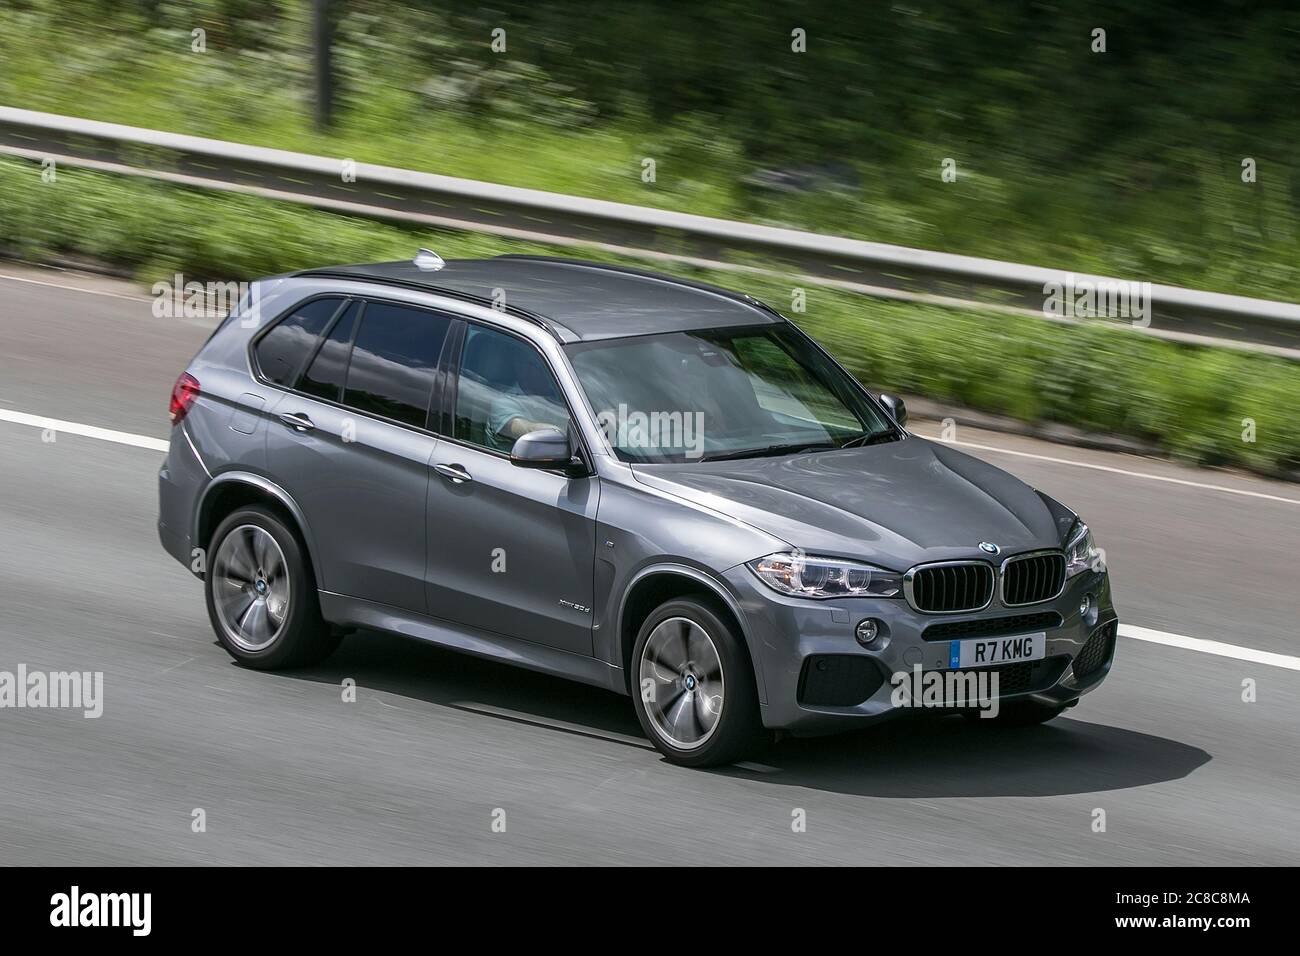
[445, 201]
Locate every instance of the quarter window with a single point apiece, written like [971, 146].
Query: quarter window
[282, 351]
[505, 390]
[324, 377]
[393, 362]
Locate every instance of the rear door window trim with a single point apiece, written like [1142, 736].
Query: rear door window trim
[434, 398]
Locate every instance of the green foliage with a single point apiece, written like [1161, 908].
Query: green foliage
[1190, 401]
[1126, 162]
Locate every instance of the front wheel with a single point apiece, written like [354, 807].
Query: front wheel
[261, 594]
[693, 686]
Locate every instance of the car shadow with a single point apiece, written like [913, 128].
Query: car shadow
[417, 670]
[935, 756]
[927, 757]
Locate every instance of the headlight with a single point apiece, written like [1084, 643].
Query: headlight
[1081, 554]
[804, 576]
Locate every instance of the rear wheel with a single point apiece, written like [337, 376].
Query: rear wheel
[261, 593]
[693, 686]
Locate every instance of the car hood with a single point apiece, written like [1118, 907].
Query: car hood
[895, 504]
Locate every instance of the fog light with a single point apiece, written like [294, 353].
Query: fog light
[867, 630]
[1085, 605]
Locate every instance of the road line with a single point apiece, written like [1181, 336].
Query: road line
[73, 288]
[1217, 648]
[1119, 471]
[87, 431]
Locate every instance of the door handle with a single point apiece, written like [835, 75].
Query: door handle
[455, 473]
[298, 422]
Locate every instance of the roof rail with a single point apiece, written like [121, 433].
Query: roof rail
[557, 331]
[741, 297]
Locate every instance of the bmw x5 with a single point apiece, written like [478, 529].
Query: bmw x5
[654, 486]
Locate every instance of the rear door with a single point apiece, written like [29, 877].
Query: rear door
[511, 549]
[350, 442]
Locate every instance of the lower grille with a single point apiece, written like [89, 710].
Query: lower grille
[838, 680]
[1032, 578]
[949, 588]
[1028, 676]
[992, 627]
[1025, 677]
[1096, 651]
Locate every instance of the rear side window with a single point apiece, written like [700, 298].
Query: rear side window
[324, 377]
[393, 362]
[282, 351]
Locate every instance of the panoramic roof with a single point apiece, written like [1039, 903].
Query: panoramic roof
[590, 300]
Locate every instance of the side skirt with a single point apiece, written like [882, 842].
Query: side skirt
[354, 612]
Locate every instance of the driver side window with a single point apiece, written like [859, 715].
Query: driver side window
[505, 390]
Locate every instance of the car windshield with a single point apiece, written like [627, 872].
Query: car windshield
[715, 394]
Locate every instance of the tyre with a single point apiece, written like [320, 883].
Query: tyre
[693, 686]
[261, 593]
[1018, 713]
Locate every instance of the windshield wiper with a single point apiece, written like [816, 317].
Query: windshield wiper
[870, 438]
[787, 449]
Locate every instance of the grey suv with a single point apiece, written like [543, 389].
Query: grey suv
[646, 484]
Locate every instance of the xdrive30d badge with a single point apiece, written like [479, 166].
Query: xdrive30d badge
[654, 486]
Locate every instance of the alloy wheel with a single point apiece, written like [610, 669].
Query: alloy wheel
[682, 683]
[251, 587]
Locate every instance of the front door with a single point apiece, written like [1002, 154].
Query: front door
[511, 549]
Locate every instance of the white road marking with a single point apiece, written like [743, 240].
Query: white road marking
[73, 288]
[168, 670]
[1217, 648]
[1118, 471]
[87, 431]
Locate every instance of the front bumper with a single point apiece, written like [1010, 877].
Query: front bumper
[805, 653]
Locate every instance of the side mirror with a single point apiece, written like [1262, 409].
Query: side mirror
[544, 448]
[897, 407]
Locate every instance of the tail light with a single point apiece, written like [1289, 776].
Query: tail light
[184, 392]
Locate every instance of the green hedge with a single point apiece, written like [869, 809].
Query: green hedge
[1188, 400]
[1124, 163]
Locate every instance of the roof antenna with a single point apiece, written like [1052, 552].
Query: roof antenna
[426, 260]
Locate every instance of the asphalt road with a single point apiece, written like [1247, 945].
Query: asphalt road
[413, 770]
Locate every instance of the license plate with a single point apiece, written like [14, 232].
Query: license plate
[997, 650]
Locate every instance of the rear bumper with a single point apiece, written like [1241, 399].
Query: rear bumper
[175, 544]
[814, 677]
[180, 481]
